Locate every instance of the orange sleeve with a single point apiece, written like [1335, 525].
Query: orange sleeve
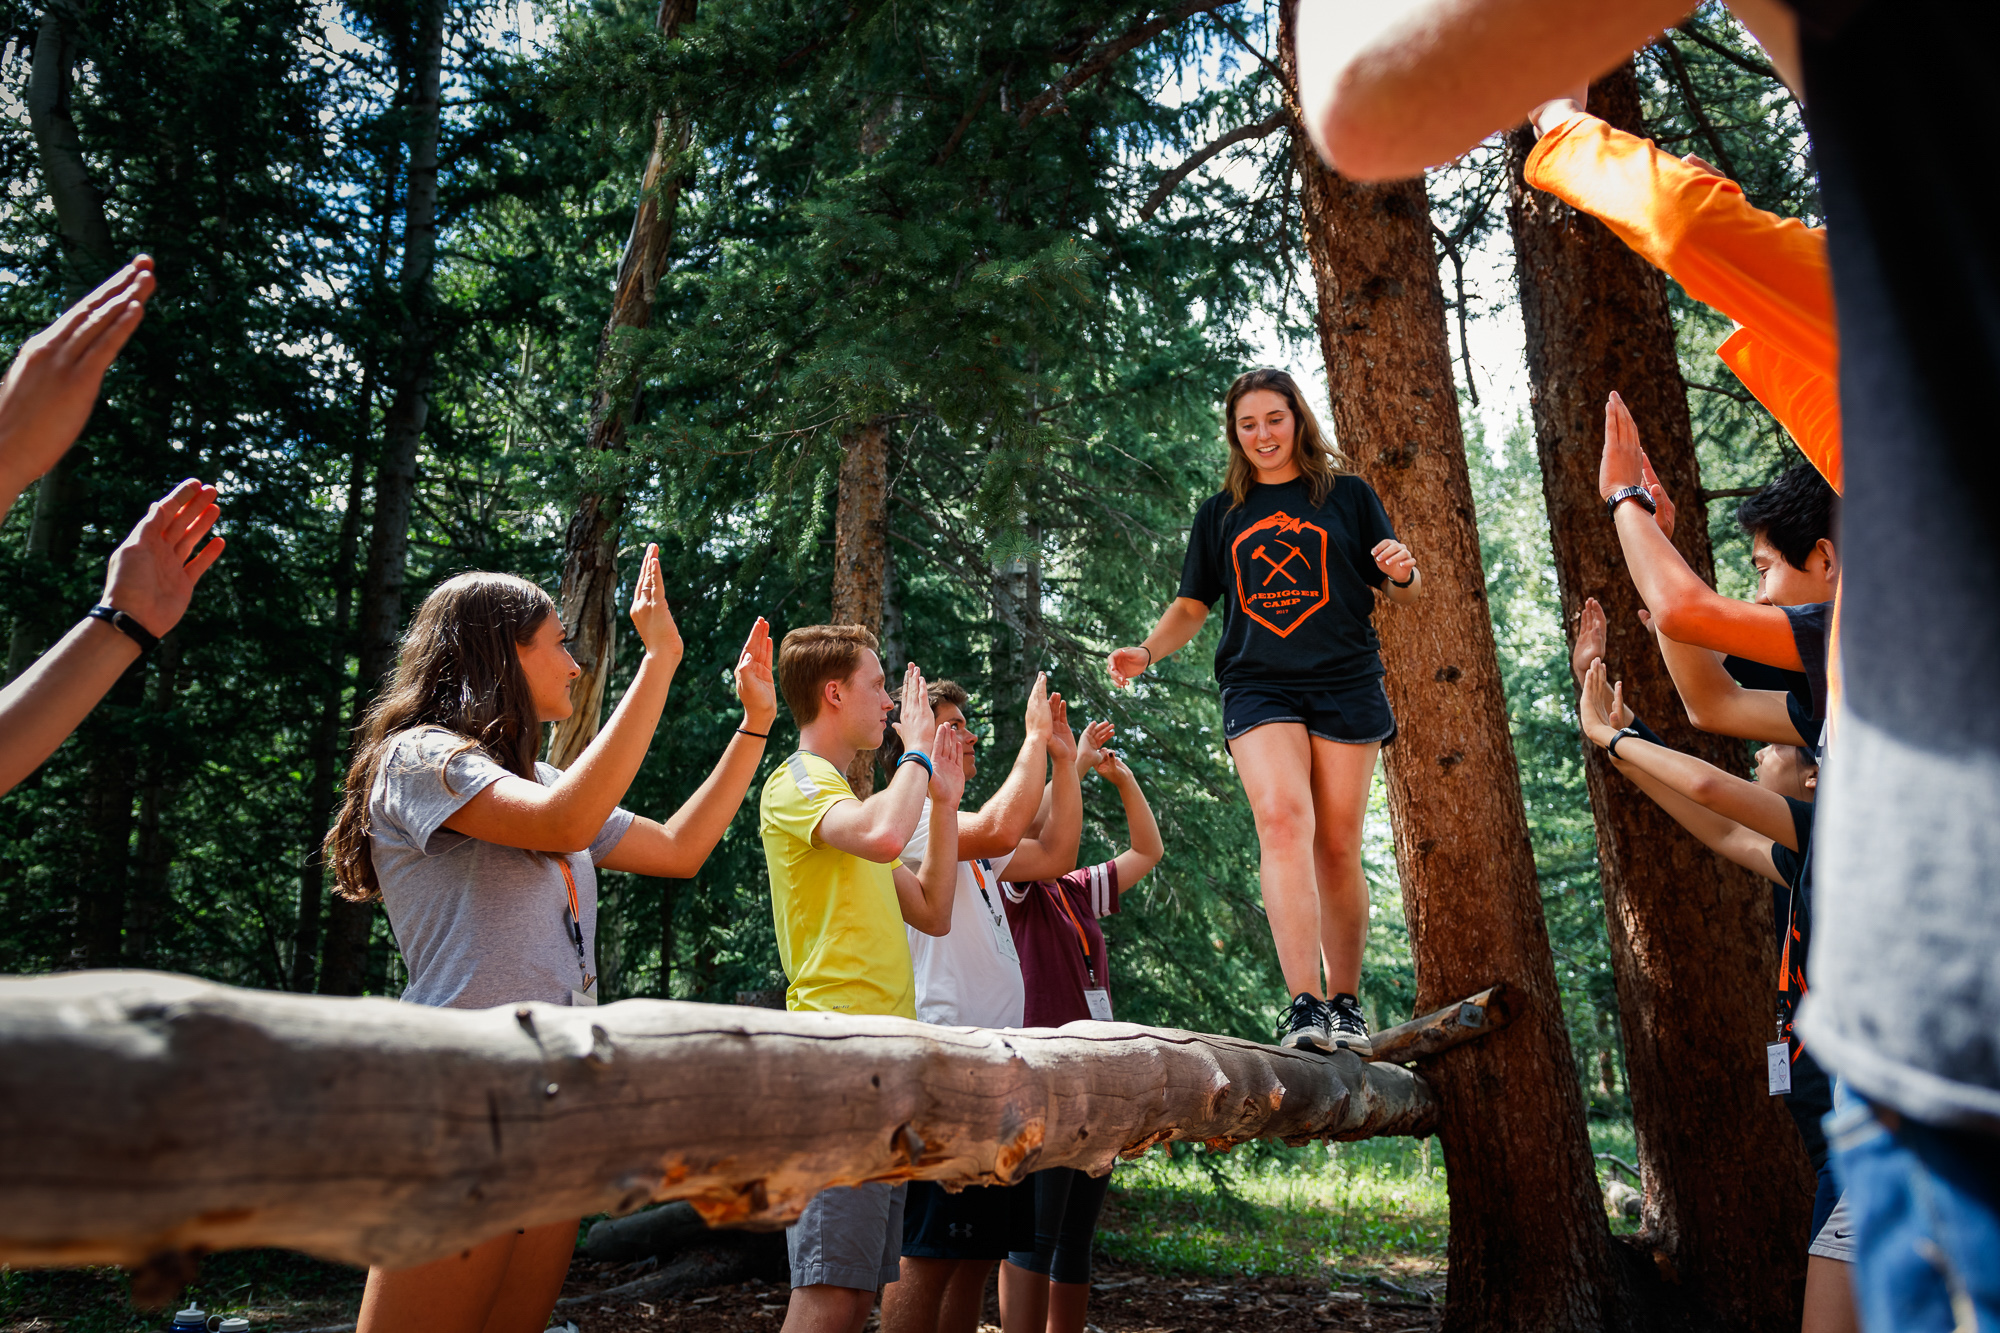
[1805, 401]
[1767, 273]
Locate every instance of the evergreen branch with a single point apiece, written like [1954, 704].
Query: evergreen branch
[1665, 46]
[1172, 179]
[1736, 58]
[965, 121]
[1134, 36]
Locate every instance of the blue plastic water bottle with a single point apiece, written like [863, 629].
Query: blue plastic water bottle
[189, 1320]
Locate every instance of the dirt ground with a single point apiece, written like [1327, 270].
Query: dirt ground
[1123, 1300]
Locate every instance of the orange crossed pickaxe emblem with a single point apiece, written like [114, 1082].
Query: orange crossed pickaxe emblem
[1277, 566]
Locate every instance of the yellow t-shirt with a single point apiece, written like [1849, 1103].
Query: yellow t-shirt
[840, 928]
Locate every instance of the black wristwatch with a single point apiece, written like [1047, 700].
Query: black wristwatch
[127, 626]
[1624, 493]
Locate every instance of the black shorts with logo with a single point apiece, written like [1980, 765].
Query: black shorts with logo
[978, 1222]
[1351, 714]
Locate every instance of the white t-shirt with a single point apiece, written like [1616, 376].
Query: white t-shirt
[972, 976]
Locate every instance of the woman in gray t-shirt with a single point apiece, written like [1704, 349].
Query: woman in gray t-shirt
[485, 860]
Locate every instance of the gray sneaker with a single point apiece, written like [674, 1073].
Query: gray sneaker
[1304, 1025]
[1348, 1026]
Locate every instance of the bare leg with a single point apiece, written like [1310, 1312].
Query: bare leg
[965, 1296]
[824, 1309]
[533, 1280]
[1275, 763]
[1068, 1303]
[1024, 1300]
[1341, 775]
[450, 1295]
[1829, 1297]
[912, 1303]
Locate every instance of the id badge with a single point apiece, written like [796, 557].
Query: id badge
[1099, 1000]
[1778, 1060]
[580, 998]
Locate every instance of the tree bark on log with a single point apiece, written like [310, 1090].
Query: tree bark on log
[861, 553]
[172, 1116]
[1690, 934]
[588, 599]
[1528, 1245]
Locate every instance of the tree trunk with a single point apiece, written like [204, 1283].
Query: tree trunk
[154, 854]
[1018, 652]
[590, 545]
[861, 554]
[1690, 935]
[1528, 1247]
[84, 236]
[173, 1115]
[349, 924]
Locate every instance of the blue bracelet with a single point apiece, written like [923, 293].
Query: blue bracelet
[917, 757]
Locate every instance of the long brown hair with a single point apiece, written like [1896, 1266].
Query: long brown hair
[457, 669]
[1319, 458]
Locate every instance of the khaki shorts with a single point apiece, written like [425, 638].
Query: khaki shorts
[848, 1236]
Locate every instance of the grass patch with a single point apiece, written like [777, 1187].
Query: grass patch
[1268, 1209]
[260, 1285]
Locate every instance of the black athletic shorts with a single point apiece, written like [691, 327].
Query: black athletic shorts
[1350, 714]
[978, 1222]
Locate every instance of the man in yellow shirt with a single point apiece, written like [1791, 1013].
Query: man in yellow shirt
[839, 898]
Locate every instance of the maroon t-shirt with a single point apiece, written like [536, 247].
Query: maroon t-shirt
[1053, 921]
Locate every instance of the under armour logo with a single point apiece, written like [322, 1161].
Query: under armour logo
[959, 1230]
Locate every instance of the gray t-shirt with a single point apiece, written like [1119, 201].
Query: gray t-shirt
[479, 924]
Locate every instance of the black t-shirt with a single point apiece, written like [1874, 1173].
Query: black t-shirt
[1300, 582]
[1812, 1092]
[1806, 690]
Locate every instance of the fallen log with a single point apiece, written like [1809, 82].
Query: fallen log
[152, 1117]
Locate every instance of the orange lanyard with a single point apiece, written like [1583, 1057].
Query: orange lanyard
[1062, 901]
[574, 923]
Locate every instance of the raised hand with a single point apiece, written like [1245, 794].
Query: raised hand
[1038, 719]
[754, 685]
[1623, 462]
[1663, 507]
[154, 570]
[1127, 665]
[915, 720]
[1062, 741]
[1601, 708]
[947, 768]
[1394, 559]
[1090, 748]
[1590, 638]
[50, 389]
[1112, 769]
[651, 616]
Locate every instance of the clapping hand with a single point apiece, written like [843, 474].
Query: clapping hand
[1090, 749]
[1601, 708]
[947, 768]
[754, 686]
[915, 720]
[1590, 638]
[154, 570]
[52, 385]
[1112, 768]
[1062, 741]
[1623, 463]
[1039, 716]
[651, 616]
[1663, 508]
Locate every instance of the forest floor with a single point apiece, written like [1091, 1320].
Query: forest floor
[1341, 1237]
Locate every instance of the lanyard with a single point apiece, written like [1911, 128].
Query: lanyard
[1062, 901]
[573, 925]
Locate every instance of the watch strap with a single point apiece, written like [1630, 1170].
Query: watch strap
[1624, 493]
[127, 626]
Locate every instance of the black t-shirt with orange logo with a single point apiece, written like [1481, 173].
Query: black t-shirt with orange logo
[1300, 582]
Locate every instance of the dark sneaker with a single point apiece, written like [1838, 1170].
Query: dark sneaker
[1304, 1024]
[1347, 1026]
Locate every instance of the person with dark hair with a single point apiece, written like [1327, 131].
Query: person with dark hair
[971, 977]
[485, 860]
[840, 898]
[1787, 627]
[1298, 547]
[1045, 1283]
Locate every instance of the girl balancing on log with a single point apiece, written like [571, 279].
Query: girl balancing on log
[1300, 546]
[486, 860]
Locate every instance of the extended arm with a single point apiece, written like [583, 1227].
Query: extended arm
[677, 848]
[567, 815]
[925, 896]
[1715, 702]
[1051, 849]
[152, 576]
[1000, 824]
[1683, 607]
[1178, 624]
[1141, 829]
